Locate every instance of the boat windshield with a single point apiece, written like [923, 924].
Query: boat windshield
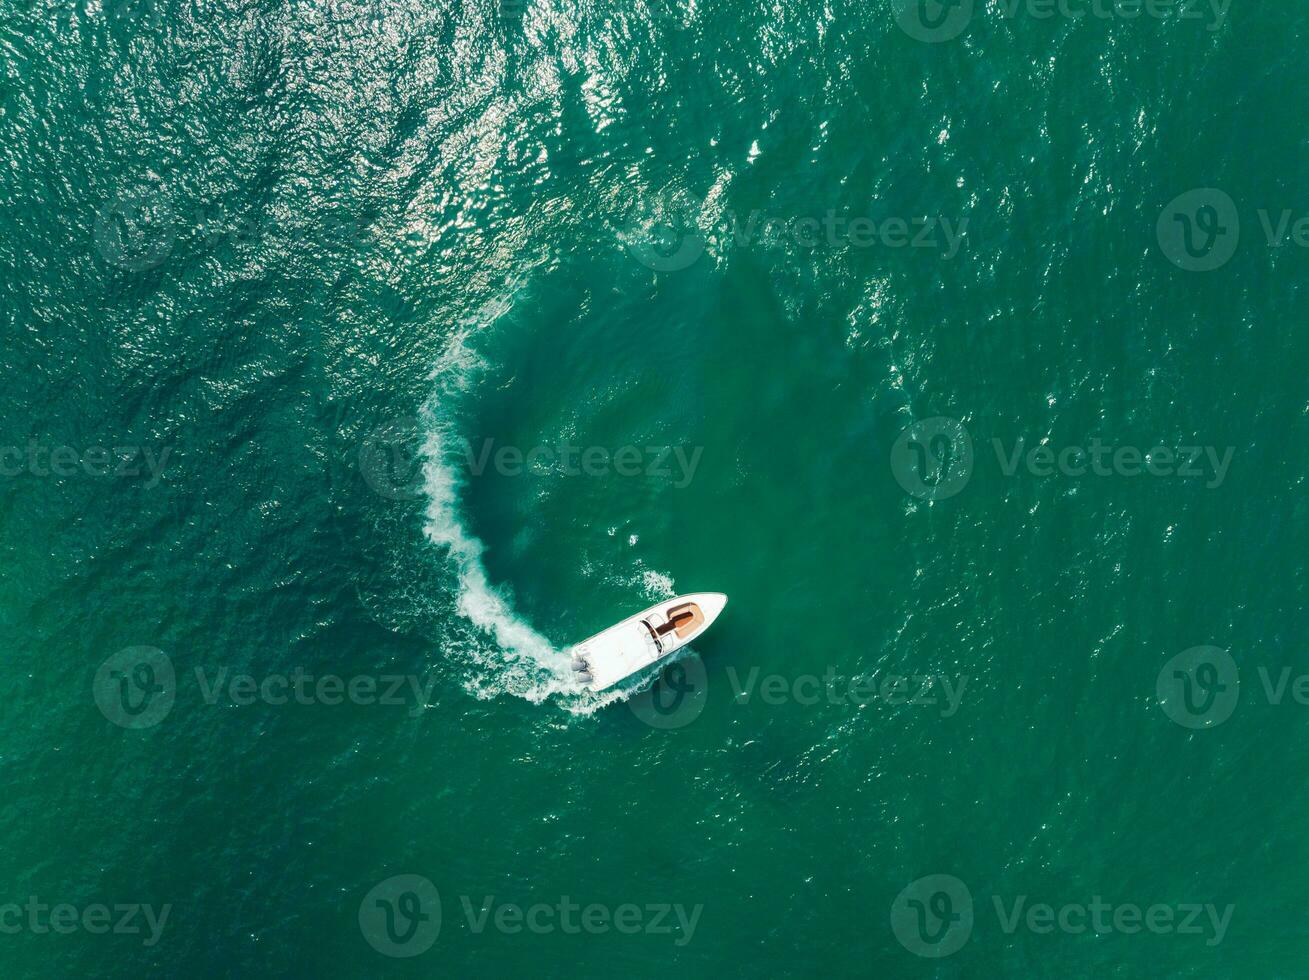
[653, 634]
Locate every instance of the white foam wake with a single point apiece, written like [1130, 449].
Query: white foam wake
[523, 662]
[519, 660]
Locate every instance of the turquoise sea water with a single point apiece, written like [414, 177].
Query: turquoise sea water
[360, 357]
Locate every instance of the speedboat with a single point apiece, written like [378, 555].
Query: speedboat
[644, 639]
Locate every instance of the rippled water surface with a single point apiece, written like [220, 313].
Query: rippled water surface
[359, 358]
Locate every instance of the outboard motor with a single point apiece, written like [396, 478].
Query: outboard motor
[581, 669]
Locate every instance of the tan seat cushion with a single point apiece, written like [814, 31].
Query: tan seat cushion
[686, 624]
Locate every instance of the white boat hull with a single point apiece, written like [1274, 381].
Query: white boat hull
[643, 640]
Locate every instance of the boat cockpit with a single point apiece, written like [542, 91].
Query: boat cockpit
[681, 621]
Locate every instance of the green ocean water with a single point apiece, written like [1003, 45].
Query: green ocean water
[962, 346]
